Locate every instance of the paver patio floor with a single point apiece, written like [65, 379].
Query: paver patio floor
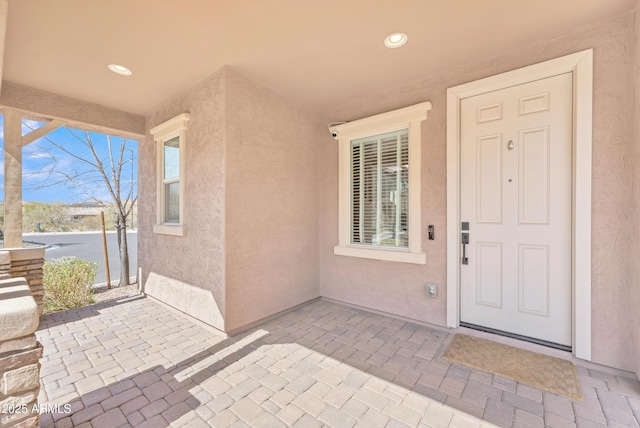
[138, 364]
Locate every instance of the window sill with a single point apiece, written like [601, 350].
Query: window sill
[386, 255]
[166, 229]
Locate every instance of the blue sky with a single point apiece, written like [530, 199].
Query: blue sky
[45, 167]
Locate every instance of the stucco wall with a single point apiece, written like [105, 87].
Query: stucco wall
[634, 264]
[271, 203]
[251, 247]
[399, 288]
[188, 272]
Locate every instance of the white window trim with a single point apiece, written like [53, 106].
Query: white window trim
[406, 118]
[175, 127]
[581, 65]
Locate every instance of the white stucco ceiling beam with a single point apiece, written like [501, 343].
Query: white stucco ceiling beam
[42, 131]
[75, 113]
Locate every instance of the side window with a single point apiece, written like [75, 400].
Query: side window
[170, 138]
[379, 186]
[171, 180]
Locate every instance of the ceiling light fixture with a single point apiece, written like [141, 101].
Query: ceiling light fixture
[120, 69]
[395, 40]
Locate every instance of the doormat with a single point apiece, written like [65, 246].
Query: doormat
[540, 371]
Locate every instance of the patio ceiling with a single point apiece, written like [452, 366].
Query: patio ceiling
[316, 53]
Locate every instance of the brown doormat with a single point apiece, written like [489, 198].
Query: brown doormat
[537, 370]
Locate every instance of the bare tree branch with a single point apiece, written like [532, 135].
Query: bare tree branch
[98, 171]
[58, 146]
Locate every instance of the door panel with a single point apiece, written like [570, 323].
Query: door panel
[489, 181]
[489, 279]
[516, 194]
[533, 176]
[533, 279]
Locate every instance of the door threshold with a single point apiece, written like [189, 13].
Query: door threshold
[517, 336]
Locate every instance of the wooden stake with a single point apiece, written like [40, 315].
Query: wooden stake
[106, 254]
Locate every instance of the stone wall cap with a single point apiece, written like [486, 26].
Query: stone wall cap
[18, 254]
[18, 310]
[5, 257]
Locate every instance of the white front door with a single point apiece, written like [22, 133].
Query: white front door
[515, 187]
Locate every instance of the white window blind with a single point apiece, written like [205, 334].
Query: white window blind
[380, 190]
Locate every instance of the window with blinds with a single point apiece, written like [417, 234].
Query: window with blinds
[380, 190]
[379, 186]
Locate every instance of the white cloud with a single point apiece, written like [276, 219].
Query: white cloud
[37, 155]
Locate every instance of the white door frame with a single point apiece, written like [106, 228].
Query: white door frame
[581, 65]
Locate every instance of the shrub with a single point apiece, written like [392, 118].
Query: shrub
[67, 283]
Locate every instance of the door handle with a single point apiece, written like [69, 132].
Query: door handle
[465, 241]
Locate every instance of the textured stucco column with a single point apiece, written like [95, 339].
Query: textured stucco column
[12, 178]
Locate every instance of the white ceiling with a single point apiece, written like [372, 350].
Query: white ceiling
[314, 52]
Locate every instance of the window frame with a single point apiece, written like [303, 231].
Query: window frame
[409, 118]
[166, 131]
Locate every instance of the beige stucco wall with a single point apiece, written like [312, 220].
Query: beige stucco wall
[271, 203]
[251, 247]
[634, 262]
[399, 288]
[188, 272]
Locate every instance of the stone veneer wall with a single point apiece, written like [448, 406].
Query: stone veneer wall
[25, 263]
[19, 351]
[19, 381]
[19, 356]
[5, 265]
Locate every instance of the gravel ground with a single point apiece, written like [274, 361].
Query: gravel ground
[102, 294]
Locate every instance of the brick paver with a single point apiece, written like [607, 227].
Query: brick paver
[136, 363]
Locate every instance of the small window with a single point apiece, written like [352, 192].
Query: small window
[170, 137]
[379, 186]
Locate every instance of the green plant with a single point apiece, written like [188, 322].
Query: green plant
[67, 283]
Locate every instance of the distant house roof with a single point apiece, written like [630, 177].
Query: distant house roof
[85, 208]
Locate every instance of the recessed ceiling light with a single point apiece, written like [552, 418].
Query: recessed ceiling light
[395, 40]
[120, 69]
